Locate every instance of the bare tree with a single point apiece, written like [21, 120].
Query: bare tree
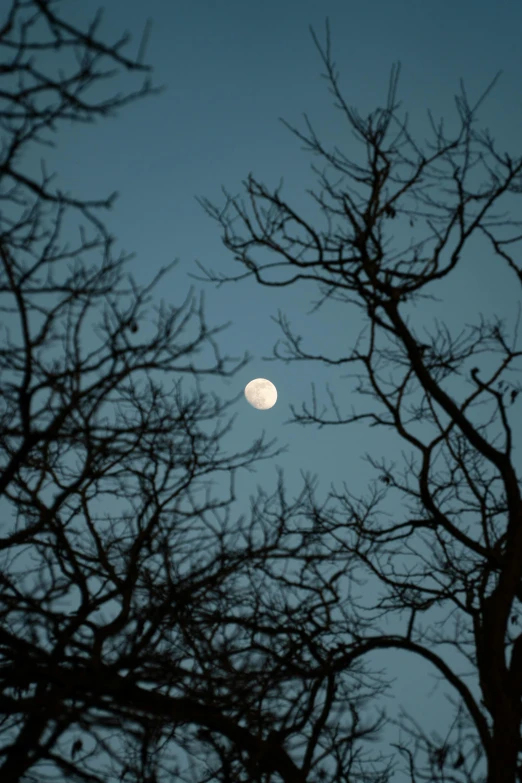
[461, 528]
[147, 631]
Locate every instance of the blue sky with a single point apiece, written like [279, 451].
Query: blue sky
[231, 68]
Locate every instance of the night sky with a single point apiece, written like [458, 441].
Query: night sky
[230, 69]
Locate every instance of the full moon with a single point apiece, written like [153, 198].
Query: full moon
[260, 393]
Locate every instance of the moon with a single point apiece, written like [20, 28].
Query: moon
[260, 393]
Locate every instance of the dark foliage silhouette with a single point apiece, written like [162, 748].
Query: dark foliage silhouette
[147, 631]
[450, 398]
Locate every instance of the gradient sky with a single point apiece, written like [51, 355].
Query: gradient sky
[231, 68]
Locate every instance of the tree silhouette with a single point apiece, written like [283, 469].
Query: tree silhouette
[451, 398]
[147, 631]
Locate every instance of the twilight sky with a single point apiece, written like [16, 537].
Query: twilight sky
[231, 68]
